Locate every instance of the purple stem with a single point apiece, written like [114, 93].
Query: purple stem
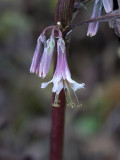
[63, 14]
[57, 133]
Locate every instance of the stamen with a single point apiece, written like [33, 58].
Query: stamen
[71, 102]
[56, 101]
[79, 105]
[68, 90]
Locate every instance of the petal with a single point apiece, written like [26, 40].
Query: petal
[108, 5]
[61, 44]
[37, 56]
[76, 86]
[62, 65]
[42, 63]
[44, 85]
[65, 69]
[97, 11]
[58, 87]
[47, 57]
[119, 3]
[92, 29]
[58, 70]
[43, 38]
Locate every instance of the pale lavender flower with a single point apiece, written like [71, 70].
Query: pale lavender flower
[47, 57]
[42, 60]
[38, 54]
[108, 5]
[43, 54]
[62, 77]
[97, 11]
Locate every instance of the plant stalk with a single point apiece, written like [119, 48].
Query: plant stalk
[63, 14]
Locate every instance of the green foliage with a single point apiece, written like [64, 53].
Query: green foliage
[13, 23]
[87, 126]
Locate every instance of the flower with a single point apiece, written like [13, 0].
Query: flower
[108, 5]
[93, 27]
[47, 57]
[97, 11]
[62, 76]
[42, 59]
[38, 54]
[43, 54]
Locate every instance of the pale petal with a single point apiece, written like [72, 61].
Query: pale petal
[58, 70]
[97, 11]
[42, 63]
[61, 44]
[76, 86]
[58, 87]
[44, 85]
[73, 84]
[92, 29]
[37, 56]
[47, 57]
[118, 3]
[108, 5]
[65, 69]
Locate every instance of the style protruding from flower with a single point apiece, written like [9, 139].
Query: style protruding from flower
[97, 11]
[42, 60]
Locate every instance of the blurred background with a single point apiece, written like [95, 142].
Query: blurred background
[92, 132]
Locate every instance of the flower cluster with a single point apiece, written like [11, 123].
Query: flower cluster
[42, 59]
[97, 11]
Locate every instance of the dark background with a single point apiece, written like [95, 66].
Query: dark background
[92, 132]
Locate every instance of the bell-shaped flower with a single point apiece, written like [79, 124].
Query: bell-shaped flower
[97, 11]
[108, 5]
[38, 54]
[47, 57]
[62, 77]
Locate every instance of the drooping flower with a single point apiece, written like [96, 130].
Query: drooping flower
[43, 54]
[108, 5]
[38, 54]
[62, 76]
[47, 57]
[97, 11]
[42, 60]
[93, 27]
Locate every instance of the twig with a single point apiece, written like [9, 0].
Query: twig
[78, 5]
[112, 16]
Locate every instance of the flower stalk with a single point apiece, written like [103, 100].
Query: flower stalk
[58, 113]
